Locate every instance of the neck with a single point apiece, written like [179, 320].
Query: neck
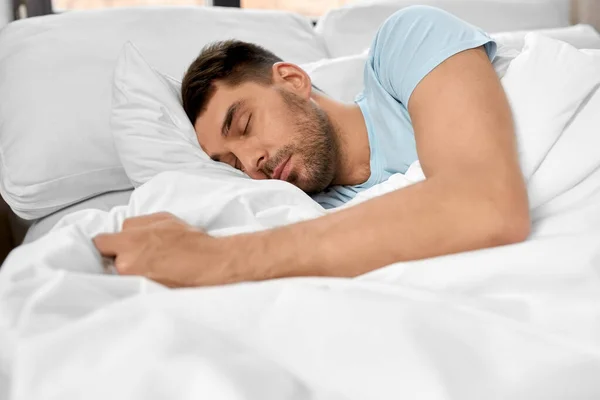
[354, 154]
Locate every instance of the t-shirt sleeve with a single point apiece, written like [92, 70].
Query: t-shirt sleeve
[415, 40]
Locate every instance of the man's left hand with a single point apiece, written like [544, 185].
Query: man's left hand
[165, 249]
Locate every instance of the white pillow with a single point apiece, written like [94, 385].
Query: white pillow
[545, 85]
[341, 78]
[351, 29]
[592, 52]
[580, 36]
[152, 132]
[575, 155]
[56, 74]
[510, 44]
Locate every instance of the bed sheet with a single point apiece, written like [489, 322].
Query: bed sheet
[103, 202]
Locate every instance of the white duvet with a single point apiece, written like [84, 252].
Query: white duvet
[515, 322]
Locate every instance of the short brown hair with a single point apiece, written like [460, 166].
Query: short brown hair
[230, 61]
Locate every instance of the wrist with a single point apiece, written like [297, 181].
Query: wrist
[268, 254]
[241, 257]
[220, 256]
[289, 251]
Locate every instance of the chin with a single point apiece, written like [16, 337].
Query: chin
[299, 183]
[308, 188]
[304, 182]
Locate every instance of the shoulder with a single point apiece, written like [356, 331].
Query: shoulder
[420, 23]
[415, 40]
[416, 17]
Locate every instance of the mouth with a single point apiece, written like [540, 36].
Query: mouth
[281, 172]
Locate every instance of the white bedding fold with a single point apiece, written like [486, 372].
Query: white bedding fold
[518, 322]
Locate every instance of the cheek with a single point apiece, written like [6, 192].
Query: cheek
[279, 132]
[280, 123]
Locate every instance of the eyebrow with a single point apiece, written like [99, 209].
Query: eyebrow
[229, 117]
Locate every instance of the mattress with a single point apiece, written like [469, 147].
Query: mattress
[103, 202]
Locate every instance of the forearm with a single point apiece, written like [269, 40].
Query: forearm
[434, 217]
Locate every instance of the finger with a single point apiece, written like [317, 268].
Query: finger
[123, 266]
[108, 244]
[147, 220]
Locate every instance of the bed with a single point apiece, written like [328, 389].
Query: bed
[29, 191]
[517, 322]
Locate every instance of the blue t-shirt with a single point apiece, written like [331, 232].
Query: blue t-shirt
[409, 45]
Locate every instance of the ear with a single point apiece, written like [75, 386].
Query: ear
[293, 78]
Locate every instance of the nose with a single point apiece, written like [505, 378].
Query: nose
[253, 159]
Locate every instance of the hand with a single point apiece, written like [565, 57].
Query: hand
[165, 249]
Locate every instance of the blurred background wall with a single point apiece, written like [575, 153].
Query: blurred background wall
[586, 12]
[6, 12]
[582, 11]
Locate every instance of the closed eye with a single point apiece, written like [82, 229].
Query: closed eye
[247, 125]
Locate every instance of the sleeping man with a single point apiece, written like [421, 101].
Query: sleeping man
[430, 94]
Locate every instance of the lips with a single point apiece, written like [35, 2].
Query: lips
[279, 169]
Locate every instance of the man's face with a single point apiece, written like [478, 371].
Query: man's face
[269, 132]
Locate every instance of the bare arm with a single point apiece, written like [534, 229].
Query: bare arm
[474, 197]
